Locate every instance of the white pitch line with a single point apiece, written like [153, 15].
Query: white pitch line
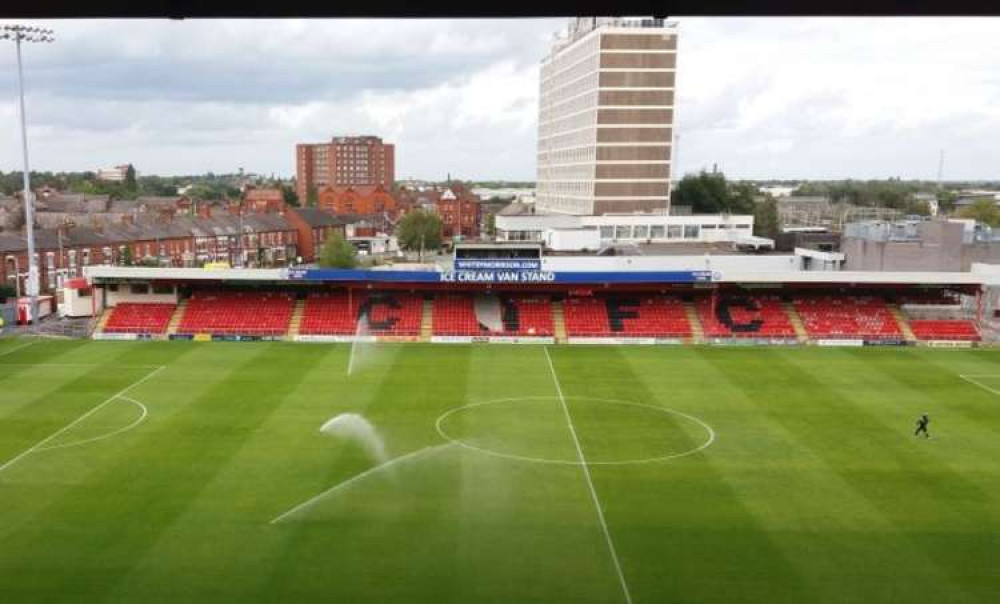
[358, 477]
[143, 412]
[972, 380]
[42, 442]
[590, 481]
[43, 365]
[16, 348]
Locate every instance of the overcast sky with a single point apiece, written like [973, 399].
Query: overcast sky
[763, 98]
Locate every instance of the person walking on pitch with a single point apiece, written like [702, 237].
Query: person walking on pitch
[922, 422]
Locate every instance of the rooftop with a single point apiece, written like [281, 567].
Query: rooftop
[581, 26]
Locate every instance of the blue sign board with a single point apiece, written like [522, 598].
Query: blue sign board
[500, 275]
[323, 274]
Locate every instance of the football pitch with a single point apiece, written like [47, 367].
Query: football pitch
[198, 472]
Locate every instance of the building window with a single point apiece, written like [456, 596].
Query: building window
[641, 231]
[674, 231]
[657, 231]
[140, 288]
[623, 231]
[690, 231]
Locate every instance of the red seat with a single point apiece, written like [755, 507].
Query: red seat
[928, 329]
[133, 317]
[755, 316]
[336, 313]
[238, 313]
[842, 316]
[627, 316]
[455, 315]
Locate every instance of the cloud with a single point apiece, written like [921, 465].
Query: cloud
[788, 98]
[845, 97]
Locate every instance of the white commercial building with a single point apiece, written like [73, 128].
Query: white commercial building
[606, 115]
[115, 174]
[637, 228]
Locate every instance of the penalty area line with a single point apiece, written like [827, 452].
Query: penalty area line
[590, 481]
[98, 407]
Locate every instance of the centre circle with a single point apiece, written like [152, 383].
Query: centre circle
[609, 431]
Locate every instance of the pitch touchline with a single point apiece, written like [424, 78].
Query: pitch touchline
[590, 481]
[971, 378]
[42, 442]
[16, 348]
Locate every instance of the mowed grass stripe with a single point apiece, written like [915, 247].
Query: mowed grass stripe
[885, 415]
[836, 538]
[965, 444]
[20, 355]
[403, 408]
[528, 531]
[876, 461]
[67, 392]
[104, 526]
[40, 351]
[664, 555]
[277, 457]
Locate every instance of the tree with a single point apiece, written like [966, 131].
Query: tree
[126, 258]
[704, 192]
[765, 219]
[337, 252]
[946, 201]
[419, 230]
[982, 210]
[741, 198]
[312, 196]
[130, 183]
[491, 224]
[290, 196]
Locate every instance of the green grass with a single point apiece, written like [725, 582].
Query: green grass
[814, 489]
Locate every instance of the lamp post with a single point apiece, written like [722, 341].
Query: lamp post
[21, 33]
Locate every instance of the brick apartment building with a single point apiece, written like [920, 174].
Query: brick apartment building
[314, 228]
[455, 203]
[264, 201]
[345, 161]
[358, 200]
[259, 239]
[460, 215]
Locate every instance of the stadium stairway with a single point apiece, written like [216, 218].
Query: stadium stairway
[427, 320]
[175, 321]
[559, 321]
[296, 322]
[697, 332]
[793, 317]
[904, 325]
[102, 322]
